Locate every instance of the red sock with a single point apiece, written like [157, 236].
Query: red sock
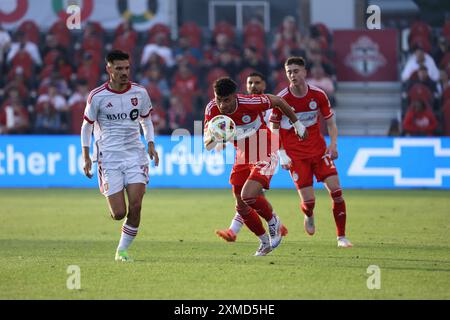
[263, 208]
[251, 220]
[308, 207]
[339, 212]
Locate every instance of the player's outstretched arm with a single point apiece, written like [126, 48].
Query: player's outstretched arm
[281, 104]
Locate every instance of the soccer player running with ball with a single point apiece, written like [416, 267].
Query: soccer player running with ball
[256, 157]
[256, 84]
[114, 110]
[310, 157]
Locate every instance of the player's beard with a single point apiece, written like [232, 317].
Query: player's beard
[123, 79]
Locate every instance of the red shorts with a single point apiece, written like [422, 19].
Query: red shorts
[303, 170]
[261, 171]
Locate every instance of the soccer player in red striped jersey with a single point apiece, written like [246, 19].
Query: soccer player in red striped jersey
[256, 157]
[256, 84]
[312, 157]
[118, 108]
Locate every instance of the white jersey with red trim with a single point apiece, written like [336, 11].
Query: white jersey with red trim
[116, 117]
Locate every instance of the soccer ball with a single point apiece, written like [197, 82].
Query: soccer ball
[222, 128]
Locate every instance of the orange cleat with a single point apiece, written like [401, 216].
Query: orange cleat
[227, 235]
[283, 230]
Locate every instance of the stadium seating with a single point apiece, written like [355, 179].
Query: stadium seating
[225, 27]
[446, 95]
[446, 30]
[242, 78]
[191, 30]
[420, 92]
[446, 118]
[159, 28]
[31, 31]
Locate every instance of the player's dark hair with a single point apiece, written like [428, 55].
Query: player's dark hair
[295, 60]
[257, 74]
[223, 87]
[116, 55]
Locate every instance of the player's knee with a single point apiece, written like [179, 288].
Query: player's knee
[308, 206]
[242, 209]
[118, 215]
[248, 200]
[135, 207]
[336, 195]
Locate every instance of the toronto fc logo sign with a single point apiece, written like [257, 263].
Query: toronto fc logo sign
[365, 57]
[134, 101]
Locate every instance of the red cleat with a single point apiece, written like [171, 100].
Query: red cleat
[227, 235]
[283, 230]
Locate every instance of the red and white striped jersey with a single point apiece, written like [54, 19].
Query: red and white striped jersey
[307, 110]
[253, 138]
[117, 130]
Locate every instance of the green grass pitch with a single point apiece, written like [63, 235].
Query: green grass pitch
[406, 233]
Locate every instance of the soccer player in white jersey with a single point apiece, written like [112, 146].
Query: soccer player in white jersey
[114, 111]
[255, 84]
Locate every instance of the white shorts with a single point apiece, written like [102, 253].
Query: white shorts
[111, 181]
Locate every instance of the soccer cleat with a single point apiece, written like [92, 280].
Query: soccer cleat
[264, 249]
[122, 255]
[308, 223]
[342, 242]
[283, 230]
[227, 235]
[275, 232]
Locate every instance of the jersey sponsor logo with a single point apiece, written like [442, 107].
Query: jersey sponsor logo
[245, 131]
[246, 119]
[134, 114]
[134, 101]
[306, 118]
[117, 116]
[313, 105]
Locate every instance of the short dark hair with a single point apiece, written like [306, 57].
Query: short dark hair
[257, 74]
[116, 55]
[224, 87]
[300, 61]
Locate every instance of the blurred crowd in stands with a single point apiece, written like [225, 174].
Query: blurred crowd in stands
[425, 83]
[46, 75]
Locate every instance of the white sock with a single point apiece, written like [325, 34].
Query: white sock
[237, 223]
[273, 220]
[127, 237]
[265, 239]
